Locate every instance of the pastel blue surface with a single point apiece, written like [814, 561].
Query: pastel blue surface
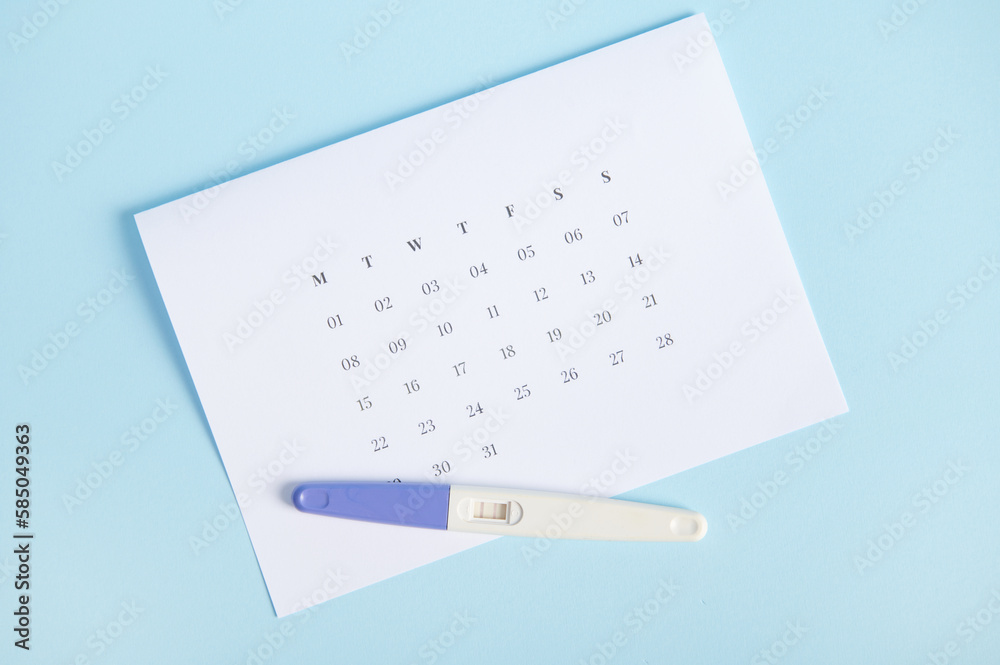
[403, 504]
[872, 538]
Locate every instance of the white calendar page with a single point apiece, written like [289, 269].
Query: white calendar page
[557, 296]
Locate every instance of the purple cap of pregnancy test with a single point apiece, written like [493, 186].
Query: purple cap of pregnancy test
[408, 504]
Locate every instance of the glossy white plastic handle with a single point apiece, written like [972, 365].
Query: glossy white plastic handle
[503, 512]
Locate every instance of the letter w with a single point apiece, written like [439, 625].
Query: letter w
[414, 244]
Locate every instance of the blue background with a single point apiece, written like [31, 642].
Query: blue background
[802, 559]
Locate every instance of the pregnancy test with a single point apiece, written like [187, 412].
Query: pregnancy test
[500, 512]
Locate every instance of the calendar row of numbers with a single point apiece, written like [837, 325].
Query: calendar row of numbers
[518, 393]
[586, 277]
[572, 235]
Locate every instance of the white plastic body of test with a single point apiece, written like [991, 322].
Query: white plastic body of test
[572, 516]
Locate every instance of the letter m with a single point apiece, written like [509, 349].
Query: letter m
[319, 279]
